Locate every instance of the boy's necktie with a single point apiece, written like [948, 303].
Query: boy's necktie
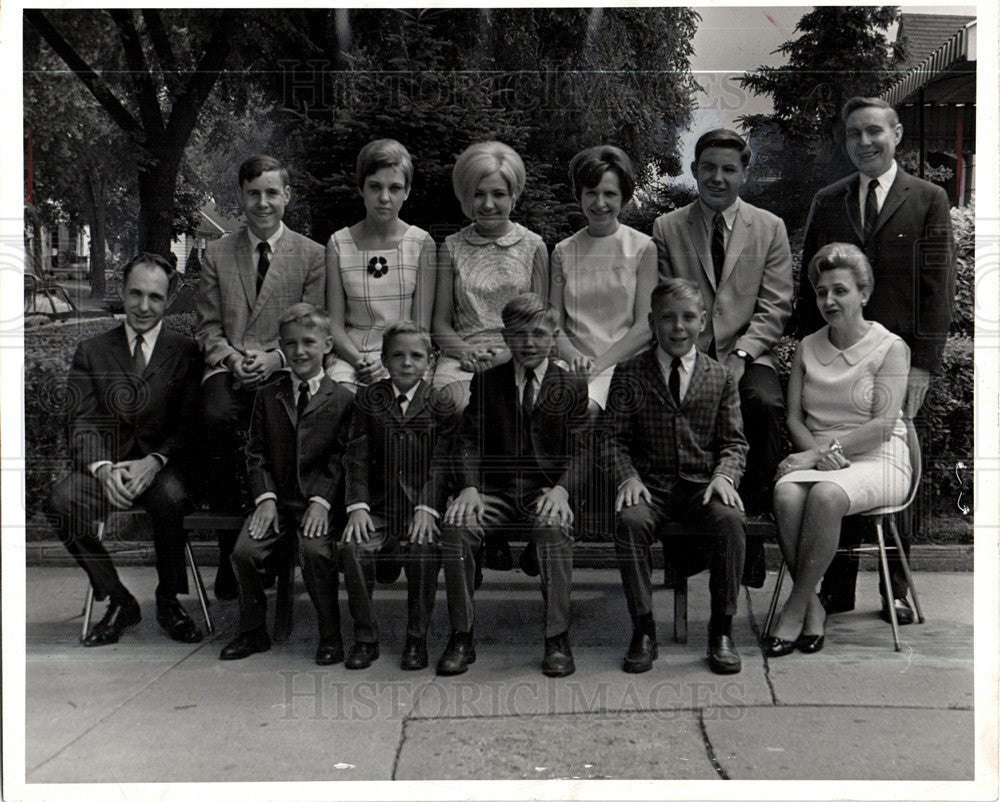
[718, 246]
[300, 408]
[528, 397]
[263, 262]
[674, 382]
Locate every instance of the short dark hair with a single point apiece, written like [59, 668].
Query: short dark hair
[844, 255]
[679, 288]
[524, 309]
[259, 164]
[401, 327]
[856, 103]
[305, 314]
[154, 259]
[589, 166]
[723, 138]
[381, 153]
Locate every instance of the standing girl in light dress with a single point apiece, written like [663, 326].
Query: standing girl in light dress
[482, 266]
[845, 401]
[602, 276]
[379, 271]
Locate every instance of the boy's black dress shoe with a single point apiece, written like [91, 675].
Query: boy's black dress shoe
[414, 654]
[246, 644]
[329, 653]
[528, 561]
[120, 616]
[722, 655]
[176, 622]
[904, 613]
[558, 660]
[361, 655]
[642, 651]
[458, 655]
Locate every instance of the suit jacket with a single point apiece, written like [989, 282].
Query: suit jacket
[232, 318]
[660, 442]
[753, 301]
[912, 253]
[395, 461]
[298, 459]
[489, 448]
[117, 415]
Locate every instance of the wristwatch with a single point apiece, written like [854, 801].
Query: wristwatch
[742, 355]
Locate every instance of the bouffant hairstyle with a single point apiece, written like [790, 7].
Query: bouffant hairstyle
[842, 255]
[480, 160]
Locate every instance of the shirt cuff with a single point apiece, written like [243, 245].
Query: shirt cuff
[94, 466]
[727, 478]
[428, 510]
[358, 505]
[265, 497]
[321, 501]
[160, 457]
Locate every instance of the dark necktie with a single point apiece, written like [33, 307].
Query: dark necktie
[138, 357]
[401, 400]
[718, 246]
[871, 209]
[674, 382]
[300, 408]
[528, 396]
[263, 261]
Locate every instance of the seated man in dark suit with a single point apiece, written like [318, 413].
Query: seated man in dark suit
[136, 391]
[518, 463]
[677, 453]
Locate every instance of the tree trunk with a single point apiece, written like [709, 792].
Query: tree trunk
[98, 231]
[156, 202]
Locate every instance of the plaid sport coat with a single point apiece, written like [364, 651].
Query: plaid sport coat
[232, 318]
[662, 443]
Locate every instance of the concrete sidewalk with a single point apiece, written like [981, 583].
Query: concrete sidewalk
[151, 710]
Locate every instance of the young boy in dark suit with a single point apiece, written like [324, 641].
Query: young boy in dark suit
[678, 453]
[294, 462]
[518, 463]
[395, 489]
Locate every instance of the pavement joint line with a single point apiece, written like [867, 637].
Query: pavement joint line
[709, 749]
[114, 710]
[752, 618]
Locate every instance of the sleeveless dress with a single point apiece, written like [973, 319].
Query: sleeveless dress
[599, 292]
[378, 290]
[487, 273]
[838, 395]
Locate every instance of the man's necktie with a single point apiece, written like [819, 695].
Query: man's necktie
[718, 246]
[300, 408]
[528, 396]
[138, 357]
[871, 209]
[263, 261]
[674, 382]
[401, 403]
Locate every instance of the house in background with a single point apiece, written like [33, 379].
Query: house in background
[212, 225]
[935, 97]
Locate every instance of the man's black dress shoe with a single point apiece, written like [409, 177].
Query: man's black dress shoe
[414, 654]
[226, 587]
[528, 561]
[722, 655]
[361, 655]
[246, 644]
[904, 613]
[778, 647]
[458, 654]
[641, 653]
[176, 622]
[558, 661]
[329, 653]
[120, 616]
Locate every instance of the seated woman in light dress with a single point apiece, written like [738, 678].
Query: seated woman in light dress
[845, 401]
[380, 270]
[481, 267]
[603, 275]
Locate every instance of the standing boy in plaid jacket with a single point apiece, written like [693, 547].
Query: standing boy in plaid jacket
[678, 453]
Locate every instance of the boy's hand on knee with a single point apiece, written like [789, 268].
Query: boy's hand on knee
[631, 493]
[360, 527]
[554, 503]
[263, 518]
[423, 528]
[724, 489]
[316, 521]
[466, 509]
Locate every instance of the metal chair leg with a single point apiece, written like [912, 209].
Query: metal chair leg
[906, 569]
[887, 583]
[680, 607]
[88, 605]
[199, 586]
[774, 597]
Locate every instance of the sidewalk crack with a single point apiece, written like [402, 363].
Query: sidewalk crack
[709, 749]
[760, 645]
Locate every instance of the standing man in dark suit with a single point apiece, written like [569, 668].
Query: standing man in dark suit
[135, 388]
[519, 463]
[249, 278]
[677, 452]
[903, 225]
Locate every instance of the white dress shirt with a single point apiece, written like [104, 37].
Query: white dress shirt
[881, 190]
[686, 369]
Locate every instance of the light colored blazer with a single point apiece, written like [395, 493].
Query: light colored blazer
[753, 301]
[232, 318]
